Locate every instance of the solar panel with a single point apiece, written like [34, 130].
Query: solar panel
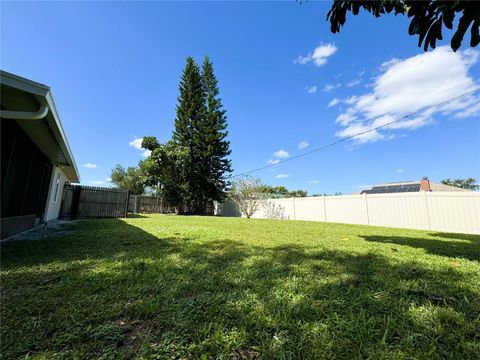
[388, 189]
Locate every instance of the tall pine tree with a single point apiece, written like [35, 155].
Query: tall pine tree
[189, 120]
[217, 148]
[200, 127]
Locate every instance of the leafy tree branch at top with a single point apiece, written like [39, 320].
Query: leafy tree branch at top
[428, 18]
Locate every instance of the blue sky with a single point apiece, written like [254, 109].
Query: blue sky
[114, 68]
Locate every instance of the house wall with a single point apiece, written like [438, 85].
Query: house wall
[25, 174]
[58, 180]
[438, 211]
[25, 180]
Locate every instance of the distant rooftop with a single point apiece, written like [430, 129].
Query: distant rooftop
[410, 186]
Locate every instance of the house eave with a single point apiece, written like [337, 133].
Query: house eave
[47, 133]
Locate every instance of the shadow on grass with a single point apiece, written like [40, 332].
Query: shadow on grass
[457, 236]
[113, 289]
[445, 244]
[136, 216]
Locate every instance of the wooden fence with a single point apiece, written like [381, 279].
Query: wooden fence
[81, 202]
[149, 204]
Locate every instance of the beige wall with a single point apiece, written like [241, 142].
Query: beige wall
[438, 211]
[53, 204]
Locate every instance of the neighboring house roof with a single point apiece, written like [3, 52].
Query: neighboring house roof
[23, 95]
[408, 186]
[443, 187]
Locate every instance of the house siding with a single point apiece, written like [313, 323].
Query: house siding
[55, 201]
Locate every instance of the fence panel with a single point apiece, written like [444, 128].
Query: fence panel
[144, 204]
[276, 209]
[454, 212]
[311, 209]
[79, 201]
[407, 210]
[346, 209]
[438, 211]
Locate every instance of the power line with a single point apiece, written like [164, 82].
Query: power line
[356, 135]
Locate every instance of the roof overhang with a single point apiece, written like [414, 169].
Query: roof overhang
[20, 94]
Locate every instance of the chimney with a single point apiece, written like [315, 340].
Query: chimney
[425, 184]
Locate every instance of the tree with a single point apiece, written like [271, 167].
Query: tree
[216, 148]
[200, 127]
[298, 193]
[282, 191]
[191, 112]
[428, 18]
[468, 183]
[278, 191]
[248, 194]
[166, 169]
[192, 168]
[129, 179]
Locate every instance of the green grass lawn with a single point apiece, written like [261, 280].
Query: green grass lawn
[172, 287]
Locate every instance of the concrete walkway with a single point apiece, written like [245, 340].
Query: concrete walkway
[53, 229]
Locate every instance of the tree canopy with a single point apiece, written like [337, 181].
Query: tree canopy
[130, 179]
[428, 18]
[468, 183]
[281, 191]
[166, 169]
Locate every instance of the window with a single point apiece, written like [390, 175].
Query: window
[57, 184]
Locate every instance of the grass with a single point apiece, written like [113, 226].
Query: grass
[172, 287]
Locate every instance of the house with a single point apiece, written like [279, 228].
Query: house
[36, 160]
[410, 186]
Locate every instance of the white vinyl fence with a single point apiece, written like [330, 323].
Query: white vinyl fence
[439, 211]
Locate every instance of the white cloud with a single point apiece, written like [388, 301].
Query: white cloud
[281, 154]
[346, 118]
[318, 56]
[303, 144]
[359, 128]
[97, 182]
[108, 179]
[351, 100]
[354, 83]
[329, 87]
[333, 102]
[357, 81]
[412, 85]
[399, 171]
[90, 166]
[273, 161]
[136, 143]
[311, 89]
[282, 176]
[314, 182]
[278, 156]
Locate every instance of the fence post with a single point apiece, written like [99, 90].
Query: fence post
[76, 201]
[324, 208]
[366, 208]
[126, 203]
[426, 209]
[135, 204]
[294, 212]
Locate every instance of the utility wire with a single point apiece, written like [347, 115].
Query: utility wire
[356, 135]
